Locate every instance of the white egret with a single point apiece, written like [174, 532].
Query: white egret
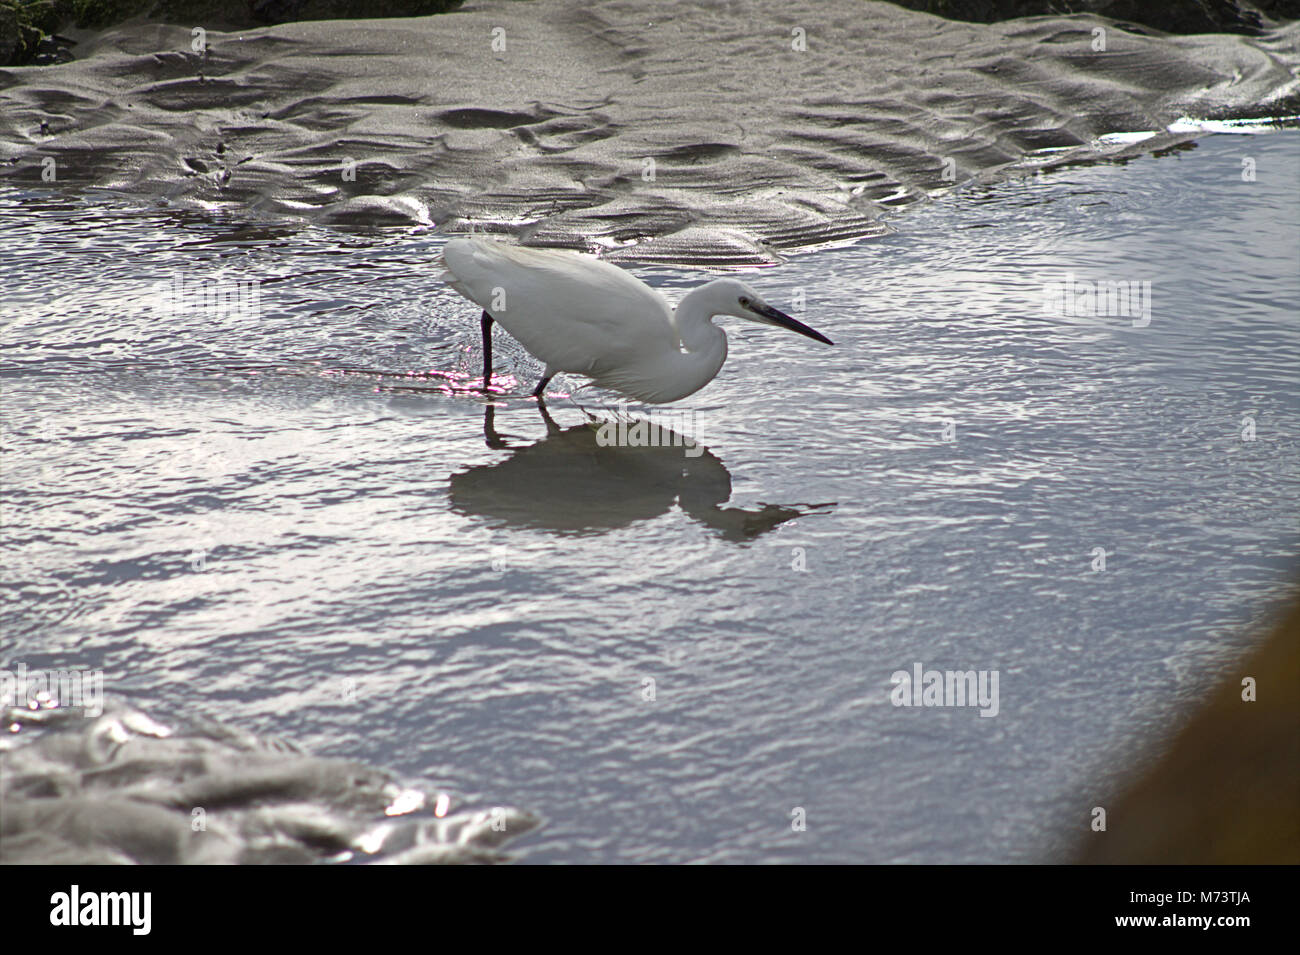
[580, 315]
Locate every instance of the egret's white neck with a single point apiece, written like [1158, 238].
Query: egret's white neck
[704, 344]
[694, 320]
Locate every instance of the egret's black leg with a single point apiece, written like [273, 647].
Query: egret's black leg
[486, 324]
[541, 385]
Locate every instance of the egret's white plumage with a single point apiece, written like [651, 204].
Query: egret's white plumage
[580, 315]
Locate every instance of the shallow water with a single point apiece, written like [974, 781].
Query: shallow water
[290, 517]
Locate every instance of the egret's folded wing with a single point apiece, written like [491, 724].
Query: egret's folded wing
[572, 311]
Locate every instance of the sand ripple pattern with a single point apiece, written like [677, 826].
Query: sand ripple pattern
[757, 147]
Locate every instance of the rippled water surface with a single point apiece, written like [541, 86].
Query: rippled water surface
[290, 516]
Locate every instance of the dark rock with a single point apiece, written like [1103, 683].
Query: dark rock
[50, 50]
[1171, 16]
[24, 23]
[282, 11]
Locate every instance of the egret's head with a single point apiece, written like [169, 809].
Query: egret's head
[734, 297]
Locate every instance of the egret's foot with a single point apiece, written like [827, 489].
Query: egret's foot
[540, 390]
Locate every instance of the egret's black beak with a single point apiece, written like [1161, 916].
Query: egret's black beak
[785, 321]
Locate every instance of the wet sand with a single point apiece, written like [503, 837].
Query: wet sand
[690, 133]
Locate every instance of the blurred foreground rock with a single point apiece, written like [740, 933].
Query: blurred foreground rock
[1228, 791]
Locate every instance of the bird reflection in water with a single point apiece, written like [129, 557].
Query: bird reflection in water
[569, 482]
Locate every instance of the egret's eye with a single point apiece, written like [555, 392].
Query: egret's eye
[744, 302]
